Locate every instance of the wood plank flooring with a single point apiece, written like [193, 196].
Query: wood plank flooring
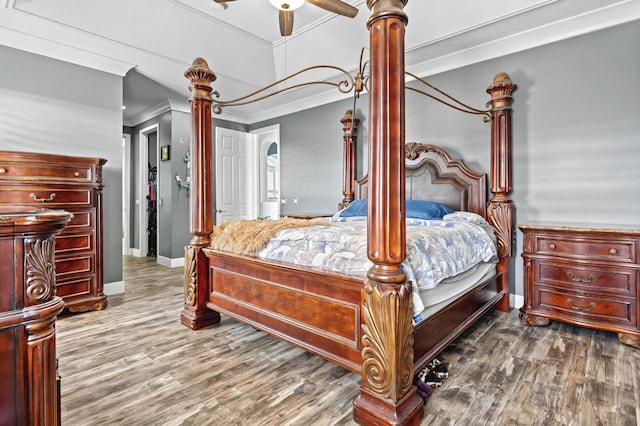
[135, 364]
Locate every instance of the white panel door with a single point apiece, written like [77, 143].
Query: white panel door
[235, 189]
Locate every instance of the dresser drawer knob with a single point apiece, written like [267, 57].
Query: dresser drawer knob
[43, 200]
[581, 280]
[552, 246]
[3, 170]
[581, 308]
[76, 174]
[613, 251]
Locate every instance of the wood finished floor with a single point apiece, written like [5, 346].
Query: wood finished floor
[135, 364]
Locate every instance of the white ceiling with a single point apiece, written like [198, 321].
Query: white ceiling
[152, 42]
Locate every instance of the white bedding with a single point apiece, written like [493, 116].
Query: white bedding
[436, 250]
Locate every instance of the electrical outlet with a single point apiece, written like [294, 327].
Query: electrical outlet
[295, 201]
[283, 201]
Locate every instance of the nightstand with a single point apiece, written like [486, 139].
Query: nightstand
[583, 275]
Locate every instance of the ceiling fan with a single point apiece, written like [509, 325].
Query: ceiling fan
[286, 8]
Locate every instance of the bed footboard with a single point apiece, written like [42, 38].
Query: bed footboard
[316, 311]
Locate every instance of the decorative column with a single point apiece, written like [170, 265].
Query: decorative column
[501, 211]
[28, 310]
[196, 277]
[350, 136]
[387, 395]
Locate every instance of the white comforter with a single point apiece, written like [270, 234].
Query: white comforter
[436, 249]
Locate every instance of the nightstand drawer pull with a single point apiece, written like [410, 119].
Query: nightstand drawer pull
[581, 308]
[3, 170]
[613, 251]
[552, 246]
[43, 200]
[581, 280]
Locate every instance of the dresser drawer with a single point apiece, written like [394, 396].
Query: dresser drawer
[44, 172]
[74, 287]
[67, 243]
[586, 247]
[586, 277]
[82, 220]
[47, 198]
[68, 266]
[592, 309]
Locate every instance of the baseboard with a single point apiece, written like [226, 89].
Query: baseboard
[135, 252]
[517, 301]
[114, 288]
[171, 263]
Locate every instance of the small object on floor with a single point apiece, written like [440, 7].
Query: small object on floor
[426, 376]
[423, 389]
[430, 377]
[438, 368]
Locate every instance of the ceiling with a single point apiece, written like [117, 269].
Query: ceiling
[152, 42]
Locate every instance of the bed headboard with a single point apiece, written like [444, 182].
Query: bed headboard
[431, 174]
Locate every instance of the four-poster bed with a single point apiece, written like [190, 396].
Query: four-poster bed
[363, 324]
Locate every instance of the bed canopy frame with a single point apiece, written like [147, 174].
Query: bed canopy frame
[387, 395]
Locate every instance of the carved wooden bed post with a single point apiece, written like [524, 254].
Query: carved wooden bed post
[501, 211]
[350, 135]
[196, 274]
[387, 395]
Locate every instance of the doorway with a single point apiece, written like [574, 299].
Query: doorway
[126, 194]
[147, 194]
[247, 165]
[267, 140]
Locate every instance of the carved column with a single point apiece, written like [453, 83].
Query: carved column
[28, 310]
[387, 395]
[501, 211]
[196, 277]
[350, 136]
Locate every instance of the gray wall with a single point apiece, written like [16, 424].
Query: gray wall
[54, 107]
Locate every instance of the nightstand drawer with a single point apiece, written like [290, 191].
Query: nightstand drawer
[591, 278]
[592, 248]
[592, 308]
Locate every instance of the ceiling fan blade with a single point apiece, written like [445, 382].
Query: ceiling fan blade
[286, 22]
[336, 6]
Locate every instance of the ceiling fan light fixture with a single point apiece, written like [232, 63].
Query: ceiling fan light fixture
[287, 4]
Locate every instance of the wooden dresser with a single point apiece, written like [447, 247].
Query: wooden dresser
[587, 276]
[29, 394]
[75, 185]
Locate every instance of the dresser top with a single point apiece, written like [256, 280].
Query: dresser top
[579, 227]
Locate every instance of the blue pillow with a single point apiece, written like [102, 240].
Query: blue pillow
[355, 208]
[417, 209]
[420, 209]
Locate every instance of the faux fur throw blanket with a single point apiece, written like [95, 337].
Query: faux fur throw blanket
[248, 237]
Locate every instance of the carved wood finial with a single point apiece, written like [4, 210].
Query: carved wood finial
[500, 91]
[201, 77]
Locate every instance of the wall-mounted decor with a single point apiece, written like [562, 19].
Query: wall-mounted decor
[165, 153]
